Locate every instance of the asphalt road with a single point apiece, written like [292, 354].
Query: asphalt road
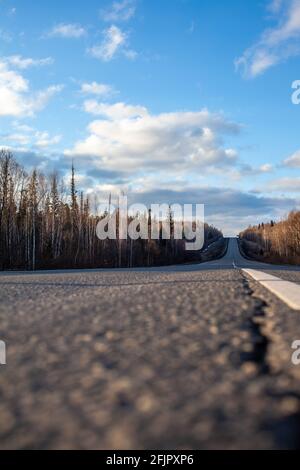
[186, 357]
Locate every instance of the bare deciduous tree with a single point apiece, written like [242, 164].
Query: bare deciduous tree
[43, 225]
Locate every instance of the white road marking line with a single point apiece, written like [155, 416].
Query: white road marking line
[287, 291]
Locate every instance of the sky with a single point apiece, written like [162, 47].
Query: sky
[169, 101]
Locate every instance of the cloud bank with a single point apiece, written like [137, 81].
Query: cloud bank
[130, 138]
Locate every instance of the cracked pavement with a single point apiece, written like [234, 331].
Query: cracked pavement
[188, 357]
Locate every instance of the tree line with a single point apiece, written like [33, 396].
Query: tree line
[275, 241]
[47, 224]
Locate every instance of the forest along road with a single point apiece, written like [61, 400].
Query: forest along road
[179, 357]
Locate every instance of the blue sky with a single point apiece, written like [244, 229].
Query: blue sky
[166, 100]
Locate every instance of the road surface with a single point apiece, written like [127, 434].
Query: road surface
[186, 357]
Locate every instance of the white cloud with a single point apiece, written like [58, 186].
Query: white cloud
[67, 30]
[247, 170]
[24, 63]
[27, 136]
[294, 160]
[115, 40]
[129, 138]
[43, 139]
[16, 138]
[286, 184]
[117, 111]
[15, 97]
[94, 88]
[119, 11]
[41, 98]
[22, 127]
[266, 168]
[276, 44]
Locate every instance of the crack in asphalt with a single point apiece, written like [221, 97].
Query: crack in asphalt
[260, 341]
[286, 429]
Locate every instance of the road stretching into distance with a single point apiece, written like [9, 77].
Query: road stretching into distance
[186, 357]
